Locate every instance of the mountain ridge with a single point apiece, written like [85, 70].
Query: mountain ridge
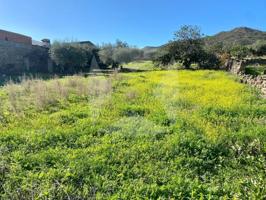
[236, 36]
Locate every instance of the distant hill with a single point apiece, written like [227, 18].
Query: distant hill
[237, 36]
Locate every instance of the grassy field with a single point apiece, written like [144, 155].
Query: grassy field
[147, 65]
[150, 135]
[141, 65]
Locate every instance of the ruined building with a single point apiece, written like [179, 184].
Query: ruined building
[19, 53]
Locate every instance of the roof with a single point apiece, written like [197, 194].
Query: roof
[86, 42]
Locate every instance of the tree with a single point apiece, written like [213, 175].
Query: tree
[209, 60]
[70, 56]
[240, 51]
[119, 53]
[106, 54]
[186, 48]
[188, 33]
[162, 57]
[259, 48]
[217, 48]
[126, 55]
[121, 44]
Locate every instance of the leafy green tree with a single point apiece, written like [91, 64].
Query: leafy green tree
[188, 33]
[162, 57]
[106, 54]
[126, 55]
[70, 56]
[240, 51]
[209, 60]
[217, 48]
[118, 53]
[259, 48]
[121, 44]
[186, 48]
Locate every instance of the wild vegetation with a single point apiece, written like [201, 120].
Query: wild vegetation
[150, 135]
[255, 70]
[190, 47]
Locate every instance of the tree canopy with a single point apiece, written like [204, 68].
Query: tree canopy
[187, 47]
[118, 53]
[71, 56]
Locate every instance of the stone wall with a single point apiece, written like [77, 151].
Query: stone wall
[17, 58]
[238, 67]
[256, 81]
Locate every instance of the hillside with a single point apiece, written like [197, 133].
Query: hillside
[150, 135]
[237, 36]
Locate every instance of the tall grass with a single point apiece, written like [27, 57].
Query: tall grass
[41, 94]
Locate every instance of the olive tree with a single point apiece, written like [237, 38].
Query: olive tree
[259, 48]
[240, 51]
[126, 55]
[70, 56]
[187, 47]
[118, 54]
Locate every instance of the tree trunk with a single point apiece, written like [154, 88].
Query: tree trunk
[187, 64]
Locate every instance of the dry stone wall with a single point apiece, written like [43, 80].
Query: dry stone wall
[256, 81]
[238, 67]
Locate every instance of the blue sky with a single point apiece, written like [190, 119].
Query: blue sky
[139, 22]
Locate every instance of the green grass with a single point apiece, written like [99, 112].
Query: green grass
[151, 135]
[255, 70]
[149, 65]
[141, 65]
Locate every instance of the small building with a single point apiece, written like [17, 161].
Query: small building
[20, 54]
